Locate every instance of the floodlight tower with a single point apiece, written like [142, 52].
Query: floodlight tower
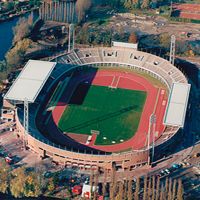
[152, 121]
[153, 139]
[26, 121]
[71, 33]
[172, 49]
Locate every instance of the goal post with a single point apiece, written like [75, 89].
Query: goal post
[96, 132]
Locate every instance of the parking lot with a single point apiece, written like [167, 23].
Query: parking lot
[12, 147]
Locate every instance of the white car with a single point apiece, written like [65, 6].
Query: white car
[167, 171]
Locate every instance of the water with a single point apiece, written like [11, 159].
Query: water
[6, 33]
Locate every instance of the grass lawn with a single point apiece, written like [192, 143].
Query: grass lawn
[114, 112]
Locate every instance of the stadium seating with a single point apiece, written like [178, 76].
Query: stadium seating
[158, 66]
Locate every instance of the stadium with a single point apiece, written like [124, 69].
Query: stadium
[97, 107]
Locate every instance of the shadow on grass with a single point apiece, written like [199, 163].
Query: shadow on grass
[101, 118]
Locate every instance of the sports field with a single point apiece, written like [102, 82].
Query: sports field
[115, 113]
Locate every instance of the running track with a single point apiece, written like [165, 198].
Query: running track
[126, 81]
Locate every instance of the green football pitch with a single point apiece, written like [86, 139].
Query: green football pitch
[114, 113]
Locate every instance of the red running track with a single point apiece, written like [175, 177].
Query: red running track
[133, 82]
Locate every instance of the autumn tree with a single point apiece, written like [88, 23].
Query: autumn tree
[91, 182]
[136, 3]
[96, 180]
[164, 39]
[113, 183]
[81, 7]
[3, 70]
[162, 192]
[126, 189]
[104, 183]
[157, 189]
[149, 189]
[128, 4]
[170, 190]
[32, 185]
[4, 176]
[132, 38]
[174, 189]
[15, 56]
[119, 191]
[129, 193]
[180, 190]
[145, 188]
[166, 185]
[145, 4]
[17, 183]
[22, 29]
[137, 189]
[50, 185]
[153, 187]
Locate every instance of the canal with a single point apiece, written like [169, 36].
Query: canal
[6, 33]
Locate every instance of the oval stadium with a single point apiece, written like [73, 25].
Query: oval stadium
[97, 107]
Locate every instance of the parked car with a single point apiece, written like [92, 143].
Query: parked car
[8, 160]
[167, 171]
[176, 166]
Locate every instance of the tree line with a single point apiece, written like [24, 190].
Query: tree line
[145, 188]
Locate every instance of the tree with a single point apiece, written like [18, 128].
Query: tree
[132, 38]
[81, 7]
[4, 176]
[22, 29]
[136, 3]
[153, 187]
[119, 191]
[129, 189]
[145, 4]
[17, 183]
[170, 189]
[164, 39]
[9, 5]
[128, 4]
[180, 190]
[162, 192]
[32, 185]
[96, 180]
[15, 56]
[137, 189]
[51, 185]
[145, 188]
[34, 2]
[91, 182]
[113, 183]
[174, 189]
[149, 189]
[181, 47]
[166, 185]
[3, 70]
[104, 183]
[157, 189]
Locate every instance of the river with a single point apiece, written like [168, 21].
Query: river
[6, 33]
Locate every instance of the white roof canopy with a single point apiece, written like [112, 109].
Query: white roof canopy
[177, 105]
[30, 81]
[125, 44]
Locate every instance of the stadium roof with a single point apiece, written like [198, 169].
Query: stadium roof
[30, 81]
[177, 105]
[125, 44]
